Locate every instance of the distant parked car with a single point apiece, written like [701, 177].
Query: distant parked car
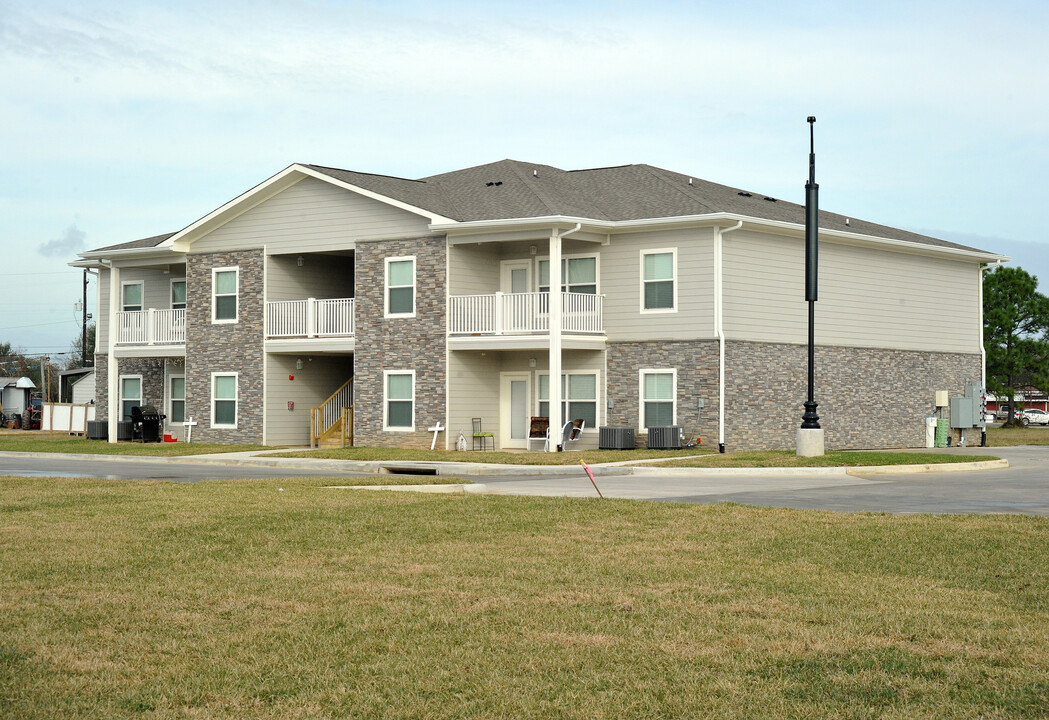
[1034, 417]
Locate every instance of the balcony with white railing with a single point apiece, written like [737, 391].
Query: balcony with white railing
[310, 318]
[151, 327]
[524, 314]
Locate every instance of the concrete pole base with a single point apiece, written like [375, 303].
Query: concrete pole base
[810, 442]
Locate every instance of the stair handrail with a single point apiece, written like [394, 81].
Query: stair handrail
[324, 417]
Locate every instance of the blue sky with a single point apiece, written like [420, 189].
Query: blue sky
[124, 120]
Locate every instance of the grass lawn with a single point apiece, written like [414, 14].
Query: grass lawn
[787, 458]
[237, 600]
[478, 456]
[44, 442]
[999, 436]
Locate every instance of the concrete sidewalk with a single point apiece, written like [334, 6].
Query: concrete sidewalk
[639, 468]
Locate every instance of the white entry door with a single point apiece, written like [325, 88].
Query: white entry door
[515, 393]
[516, 283]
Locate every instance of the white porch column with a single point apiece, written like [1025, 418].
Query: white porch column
[555, 340]
[111, 365]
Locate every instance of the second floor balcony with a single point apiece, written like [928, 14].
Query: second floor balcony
[524, 314]
[154, 326]
[310, 318]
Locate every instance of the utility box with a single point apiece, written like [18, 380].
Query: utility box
[941, 398]
[967, 411]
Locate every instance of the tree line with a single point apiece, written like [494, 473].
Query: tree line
[1015, 334]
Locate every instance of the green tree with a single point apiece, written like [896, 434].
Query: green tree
[1016, 323]
[76, 357]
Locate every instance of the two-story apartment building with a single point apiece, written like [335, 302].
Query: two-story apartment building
[657, 299]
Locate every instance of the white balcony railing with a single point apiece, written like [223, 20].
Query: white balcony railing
[151, 327]
[523, 313]
[310, 318]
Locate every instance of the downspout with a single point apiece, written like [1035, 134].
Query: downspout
[719, 328]
[555, 335]
[983, 350]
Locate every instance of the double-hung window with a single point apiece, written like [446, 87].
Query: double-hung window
[399, 401]
[131, 297]
[578, 275]
[224, 400]
[659, 280]
[658, 397]
[177, 400]
[178, 294]
[225, 286]
[400, 287]
[578, 397]
[130, 395]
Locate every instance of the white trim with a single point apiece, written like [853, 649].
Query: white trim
[171, 293]
[287, 177]
[236, 400]
[564, 275]
[141, 292]
[236, 294]
[641, 394]
[120, 394]
[506, 268]
[385, 401]
[673, 277]
[506, 419]
[599, 414]
[708, 220]
[386, 286]
[169, 422]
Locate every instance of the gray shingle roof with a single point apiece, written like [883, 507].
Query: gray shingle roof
[511, 189]
[143, 243]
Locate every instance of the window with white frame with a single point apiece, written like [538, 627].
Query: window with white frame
[399, 402]
[578, 274]
[659, 280]
[224, 400]
[225, 285]
[178, 294]
[130, 395]
[176, 399]
[131, 297]
[400, 287]
[578, 397]
[658, 394]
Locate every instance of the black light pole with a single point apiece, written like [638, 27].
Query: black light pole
[810, 420]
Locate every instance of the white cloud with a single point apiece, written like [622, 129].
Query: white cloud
[69, 244]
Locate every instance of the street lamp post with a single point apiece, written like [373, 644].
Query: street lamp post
[810, 434]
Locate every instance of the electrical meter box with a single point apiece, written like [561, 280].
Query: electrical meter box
[967, 412]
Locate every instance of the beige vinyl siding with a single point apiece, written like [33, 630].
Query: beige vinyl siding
[156, 293]
[867, 297]
[313, 384]
[310, 216]
[321, 276]
[474, 385]
[621, 285]
[474, 269]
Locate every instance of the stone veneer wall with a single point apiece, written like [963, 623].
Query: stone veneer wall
[868, 398]
[151, 370]
[697, 377]
[227, 347]
[417, 343]
[101, 387]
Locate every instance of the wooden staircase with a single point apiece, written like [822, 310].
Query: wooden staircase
[331, 424]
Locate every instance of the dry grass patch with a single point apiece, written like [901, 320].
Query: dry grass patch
[233, 599]
[1001, 436]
